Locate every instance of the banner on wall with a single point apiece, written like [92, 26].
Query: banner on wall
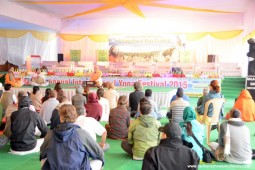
[145, 48]
[75, 55]
[102, 55]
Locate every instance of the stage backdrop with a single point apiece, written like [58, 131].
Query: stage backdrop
[167, 48]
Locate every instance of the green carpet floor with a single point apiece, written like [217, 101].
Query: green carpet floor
[116, 159]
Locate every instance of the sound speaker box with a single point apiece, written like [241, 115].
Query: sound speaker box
[177, 70]
[60, 57]
[251, 68]
[211, 58]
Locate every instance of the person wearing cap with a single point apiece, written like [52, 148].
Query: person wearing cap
[177, 106]
[192, 126]
[142, 134]
[93, 108]
[185, 97]
[23, 124]
[236, 143]
[170, 153]
[200, 99]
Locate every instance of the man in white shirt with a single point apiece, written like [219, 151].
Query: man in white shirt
[38, 79]
[48, 106]
[91, 126]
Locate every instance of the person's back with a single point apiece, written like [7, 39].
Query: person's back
[171, 153]
[119, 120]
[135, 97]
[68, 146]
[78, 99]
[177, 107]
[7, 97]
[112, 96]
[36, 98]
[23, 123]
[93, 108]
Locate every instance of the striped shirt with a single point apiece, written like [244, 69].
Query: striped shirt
[176, 108]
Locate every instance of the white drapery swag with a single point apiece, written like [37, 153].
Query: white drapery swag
[15, 50]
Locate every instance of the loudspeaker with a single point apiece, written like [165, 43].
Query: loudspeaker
[251, 68]
[211, 58]
[60, 57]
[251, 52]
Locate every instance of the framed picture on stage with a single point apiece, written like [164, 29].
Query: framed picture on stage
[75, 55]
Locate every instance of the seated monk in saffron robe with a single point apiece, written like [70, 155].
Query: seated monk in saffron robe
[96, 76]
[10, 79]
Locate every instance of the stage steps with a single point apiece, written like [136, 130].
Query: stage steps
[232, 86]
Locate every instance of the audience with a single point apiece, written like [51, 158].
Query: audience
[91, 126]
[48, 106]
[135, 97]
[86, 92]
[36, 98]
[170, 153]
[7, 98]
[154, 111]
[93, 108]
[23, 123]
[191, 127]
[185, 97]
[112, 96]
[47, 94]
[104, 103]
[78, 99]
[214, 93]
[12, 108]
[70, 147]
[246, 105]
[59, 90]
[234, 141]
[142, 134]
[55, 119]
[119, 120]
[200, 99]
[176, 107]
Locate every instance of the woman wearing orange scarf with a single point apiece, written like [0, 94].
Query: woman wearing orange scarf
[10, 79]
[246, 105]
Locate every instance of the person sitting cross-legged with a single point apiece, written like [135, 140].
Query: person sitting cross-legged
[91, 126]
[70, 147]
[119, 120]
[170, 153]
[176, 107]
[23, 124]
[234, 141]
[142, 134]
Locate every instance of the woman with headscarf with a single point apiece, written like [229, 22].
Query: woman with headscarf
[246, 105]
[192, 126]
[10, 78]
[93, 108]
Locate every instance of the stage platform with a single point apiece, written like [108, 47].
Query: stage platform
[162, 95]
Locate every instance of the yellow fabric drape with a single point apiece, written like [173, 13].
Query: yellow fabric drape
[99, 38]
[71, 37]
[224, 35]
[195, 36]
[43, 36]
[12, 33]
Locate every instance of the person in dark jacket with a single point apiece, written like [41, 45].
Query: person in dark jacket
[23, 123]
[135, 97]
[171, 153]
[70, 147]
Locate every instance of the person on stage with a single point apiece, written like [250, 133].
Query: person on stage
[10, 79]
[96, 76]
[38, 79]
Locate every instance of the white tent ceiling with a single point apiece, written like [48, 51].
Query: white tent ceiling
[123, 16]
